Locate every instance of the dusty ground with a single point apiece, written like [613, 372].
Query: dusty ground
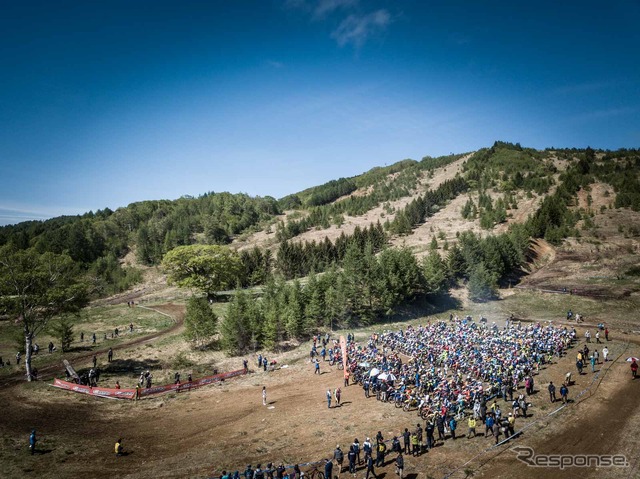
[225, 426]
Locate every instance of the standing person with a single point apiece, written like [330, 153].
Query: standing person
[131, 327]
[440, 426]
[352, 457]
[110, 355]
[95, 360]
[367, 448]
[82, 337]
[523, 407]
[452, 427]
[329, 398]
[245, 365]
[93, 338]
[381, 449]
[598, 337]
[606, 334]
[419, 434]
[552, 392]
[430, 429]
[488, 425]
[264, 395]
[592, 361]
[32, 442]
[370, 469]
[406, 438]
[400, 465]
[415, 444]
[328, 469]
[338, 455]
[511, 424]
[337, 393]
[356, 448]
[346, 378]
[634, 369]
[472, 426]
[564, 391]
[317, 365]
[605, 353]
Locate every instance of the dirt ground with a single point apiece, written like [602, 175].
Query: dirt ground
[198, 434]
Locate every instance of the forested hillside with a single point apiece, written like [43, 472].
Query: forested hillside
[364, 245]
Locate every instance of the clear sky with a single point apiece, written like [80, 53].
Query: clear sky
[107, 103]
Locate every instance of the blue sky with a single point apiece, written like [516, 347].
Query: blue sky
[107, 103]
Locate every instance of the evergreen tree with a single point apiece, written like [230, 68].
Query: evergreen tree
[200, 322]
[294, 311]
[63, 332]
[456, 264]
[434, 270]
[236, 327]
[314, 310]
[482, 284]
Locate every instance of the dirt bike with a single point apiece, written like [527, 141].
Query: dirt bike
[410, 403]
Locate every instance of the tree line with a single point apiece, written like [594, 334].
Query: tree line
[382, 188]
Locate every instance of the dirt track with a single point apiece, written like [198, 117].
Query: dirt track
[46, 373]
[225, 426]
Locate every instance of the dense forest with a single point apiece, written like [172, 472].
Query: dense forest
[356, 278]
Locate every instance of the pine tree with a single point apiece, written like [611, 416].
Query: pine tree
[314, 310]
[482, 284]
[435, 273]
[294, 311]
[236, 327]
[200, 322]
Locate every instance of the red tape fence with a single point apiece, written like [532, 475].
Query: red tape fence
[131, 393]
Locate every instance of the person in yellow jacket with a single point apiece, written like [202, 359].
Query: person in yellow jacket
[472, 427]
[511, 425]
[415, 444]
[118, 447]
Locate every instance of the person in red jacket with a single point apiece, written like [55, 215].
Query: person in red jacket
[634, 369]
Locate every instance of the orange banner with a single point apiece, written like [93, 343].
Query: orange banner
[343, 345]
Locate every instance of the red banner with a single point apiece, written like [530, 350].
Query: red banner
[131, 393]
[345, 361]
[100, 392]
[192, 385]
